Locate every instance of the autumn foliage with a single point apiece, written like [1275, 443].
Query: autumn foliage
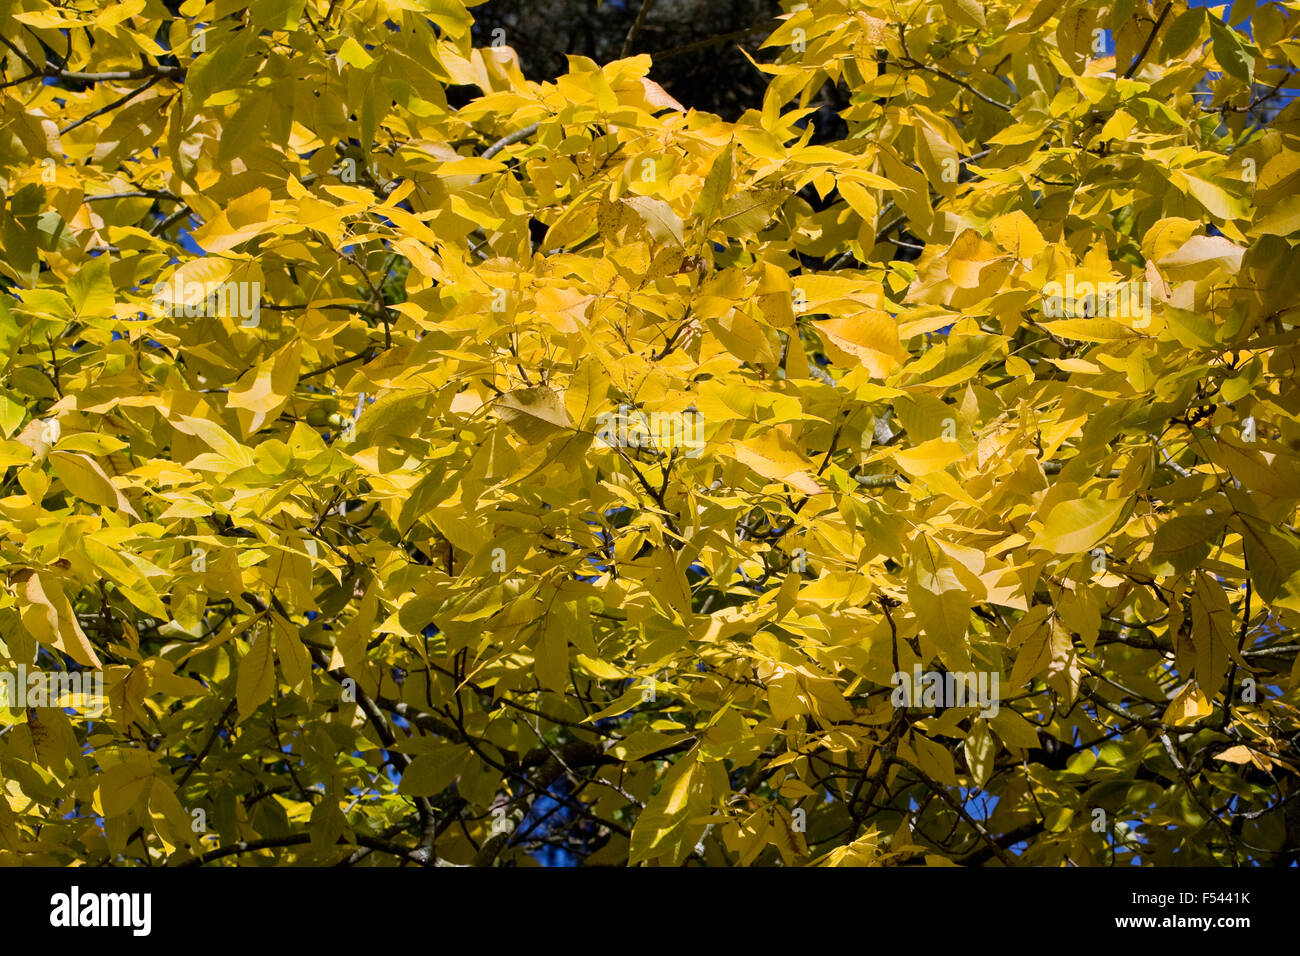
[440, 465]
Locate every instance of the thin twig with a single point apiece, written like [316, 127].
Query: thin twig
[510, 139]
[1137, 60]
[637, 24]
[111, 106]
[704, 44]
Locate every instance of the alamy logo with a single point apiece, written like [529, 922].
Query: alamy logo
[73, 909]
[181, 299]
[1130, 300]
[81, 690]
[950, 689]
[662, 431]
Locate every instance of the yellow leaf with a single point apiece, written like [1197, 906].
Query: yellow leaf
[1033, 657]
[51, 619]
[1017, 233]
[263, 390]
[658, 97]
[929, 456]
[295, 661]
[1279, 178]
[871, 338]
[1075, 526]
[942, 606]
[773, 455]
[246, 217]
[551, 652]
[84, 478]
[969, 257]
[859, 199]
[659, 218]
[1200, 253]
[1238, 754]
[216, 438]
[1090, 330]
[1189, 706]
[122, 786]
[1214, 198]
[353, 54]
[1166, 235]
[534, 413]
[256, 679]
[134, 586]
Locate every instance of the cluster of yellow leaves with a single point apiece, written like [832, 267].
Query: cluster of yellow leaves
[369, 539]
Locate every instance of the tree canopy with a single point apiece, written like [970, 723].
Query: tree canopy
[450, 466]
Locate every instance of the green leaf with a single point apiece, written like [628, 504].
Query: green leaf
[1182, 33]
[1233, 55]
